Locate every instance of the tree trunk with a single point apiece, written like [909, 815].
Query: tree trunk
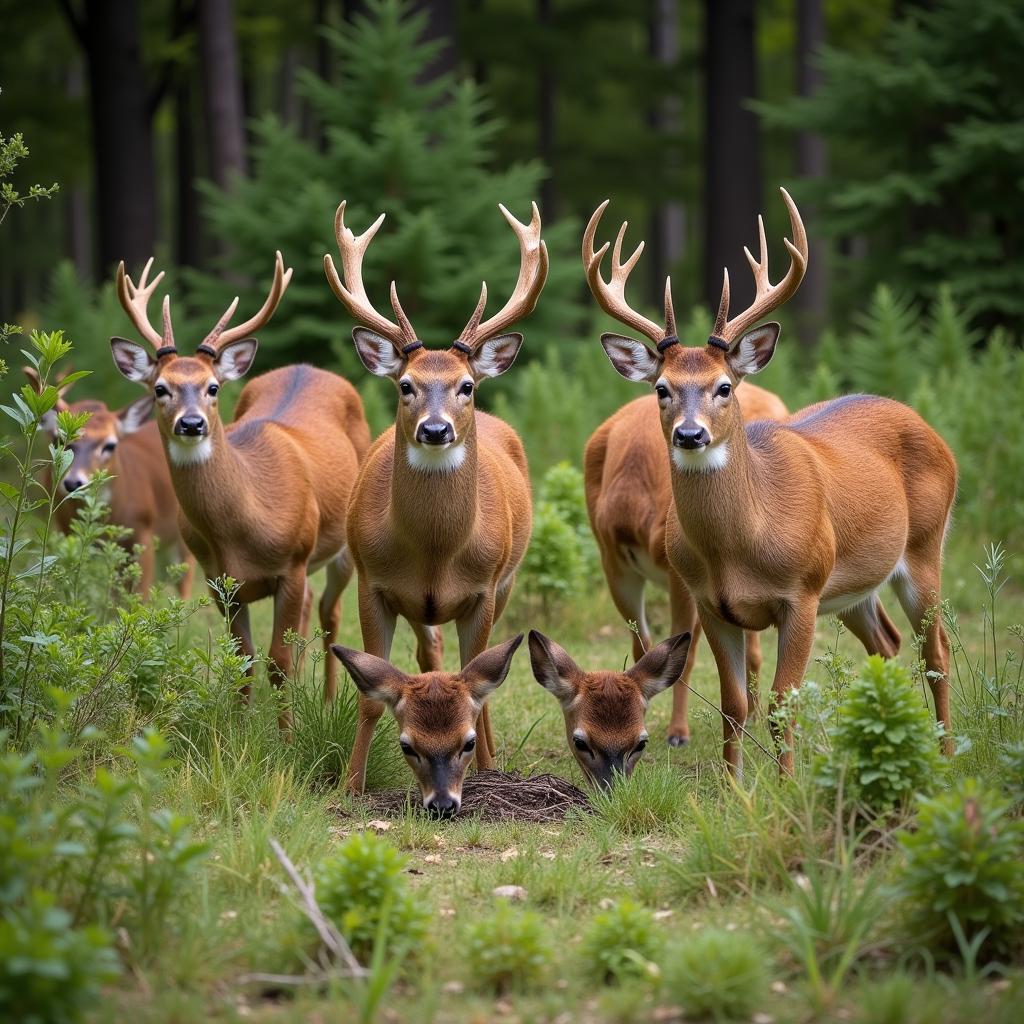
[546, 98]
[78, 223]
[732, 147]
[188, 241]
[442, 27]
[811, 162]
[668, 219]
[224, 112]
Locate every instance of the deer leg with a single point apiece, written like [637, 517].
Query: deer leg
[188, 577]
[868, 622]
[429, 647]
[289, 603]
[728, 645]
[474, 633]
[919, 592]
[796, 638]
[754, 661]
[684, 619]
[377, 623]
[238, 618]
[147, 560]
[627, 589]
[339, 572]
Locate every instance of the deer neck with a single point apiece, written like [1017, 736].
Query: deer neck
[434, 499]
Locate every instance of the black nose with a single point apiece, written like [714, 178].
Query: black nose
[191, 426]
[690, 437]
[72, 483]
[443, 806]
[437, 432]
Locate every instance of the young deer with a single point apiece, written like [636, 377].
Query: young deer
[263, 499]
[125, 444]
[437, 714]
[629, 489]
[441, 513]
[774, 524]
[604, 711]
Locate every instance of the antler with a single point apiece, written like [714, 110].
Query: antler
[352, 293]
[533, 272]
[769, 296]
[222, 335]
[611, 296]
[136, 299]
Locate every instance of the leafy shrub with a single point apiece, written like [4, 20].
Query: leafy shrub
[553, 567]
[964, 862]
[884, 747]
[716, 973]
[507, 949]
[356, 883]
[621, 942]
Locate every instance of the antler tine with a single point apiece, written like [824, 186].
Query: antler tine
[351, 292]
[768, 296]
[611, 295]
[670, 313]
[222, 335]
[533, 273]
[135, 299]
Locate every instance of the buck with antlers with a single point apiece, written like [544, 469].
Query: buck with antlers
[264, 498]
[629, 489]
[125, 444]
[774, 524]
[441, 513]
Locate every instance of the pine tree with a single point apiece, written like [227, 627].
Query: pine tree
[421, 153]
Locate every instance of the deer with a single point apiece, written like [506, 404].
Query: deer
[628, 490]
[264, 498]
[437, 714]
[604, 711]
[125, 444]
[441, 513]
[776, 523]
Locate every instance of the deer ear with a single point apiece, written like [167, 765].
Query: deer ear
[553, 668]
[133, 417]
[487, 671]
[135, 362]
[754, 351]
[374, 677]
[632, 358]
[33, 378]
[661, 666]
[495, 355]
[234, 360]
[378, 355]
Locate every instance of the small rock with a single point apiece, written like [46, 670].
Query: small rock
[763, 1018]
[432, 858]
[779, 988]
[510, 854]
[662, 915]
[515, 893]
[453, 988]
[605, 904]
[379, 826]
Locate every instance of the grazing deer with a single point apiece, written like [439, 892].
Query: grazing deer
[264, 498]
[604, 711]
[629, 489]
[125, 444]
[774, 524]
[437, 714]
[441, 513]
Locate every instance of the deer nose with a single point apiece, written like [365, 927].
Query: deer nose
[443, 805]
[190, 426]
[435, 432]
[72, 483]
[690, 437]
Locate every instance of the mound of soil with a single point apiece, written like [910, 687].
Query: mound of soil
[497, 796]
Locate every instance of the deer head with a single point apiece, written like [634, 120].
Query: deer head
[436, 714]
[604, 711]
[185, 387]
[436, 387]
[695, 385]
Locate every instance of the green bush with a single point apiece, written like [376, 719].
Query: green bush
[620, 943]
[964, 863]
[354, 885]
[885, 746]
[507, 949]
[716, 973]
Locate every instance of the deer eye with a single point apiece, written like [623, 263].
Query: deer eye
[469, 746]
[639, 748]
[407, 749]
[405, 387]
[724, 390]
[661, 391]
[213, 389]
[160, 391]
[581, 745]
[466, 388]
[109, 447]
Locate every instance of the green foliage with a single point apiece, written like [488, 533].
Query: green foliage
[420, 152]
[716, 973]
[884, 746]
[964, 866]
[926, 131]
[621, 943]
[507, 949]
[353, 885]
[12, 151]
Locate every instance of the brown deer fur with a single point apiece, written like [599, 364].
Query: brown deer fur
[628, 489]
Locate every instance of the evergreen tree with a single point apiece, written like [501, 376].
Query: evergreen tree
[422, 153]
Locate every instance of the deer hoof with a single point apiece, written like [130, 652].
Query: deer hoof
[678, 741]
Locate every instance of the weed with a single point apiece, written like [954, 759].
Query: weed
[621, 942]
[507, 949]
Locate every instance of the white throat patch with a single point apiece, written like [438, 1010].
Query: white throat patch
[437, 458]
[191, 452]
[701, 460]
